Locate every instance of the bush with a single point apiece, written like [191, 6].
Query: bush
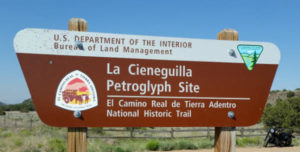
[35, 150]
[274, 91]
[186, 145]
[25, 106]
[205, 144]
[18, 142]
[152, 145]
[31, 150]
[6, 134]
[40, 145]
[57, 145]
[242, 142]
[25, 133]
[2, 112]
[290, 94]
[119, 149]
[296, 142]
[167, 145]
[107, 148]
[285, 114]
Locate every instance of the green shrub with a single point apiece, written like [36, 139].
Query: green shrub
[40, 145]
[132, 144]
[36, 150]
[6, 134]
[107, 148]
[25, 133]
[92, 149]
[57, 145]
[18, 142]
[184, 144]
[2, 112]
[290, 94]
[274, 91]
[242, 142]
[25, 106]
[167, 145]
[296, 141]
[285, 114]
[205, 144]
[119, 149]
[32, 150]
[152, 145]
[110, 148]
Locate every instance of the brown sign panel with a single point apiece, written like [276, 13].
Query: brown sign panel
[80, 79]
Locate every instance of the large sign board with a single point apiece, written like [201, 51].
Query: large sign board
[83, 79]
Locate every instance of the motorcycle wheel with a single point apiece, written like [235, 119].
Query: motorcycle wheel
[266, 141]
[288, 142]
[279, 142]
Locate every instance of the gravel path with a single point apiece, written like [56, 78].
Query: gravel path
[253, 149]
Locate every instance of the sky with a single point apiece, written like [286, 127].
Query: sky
[276, 21]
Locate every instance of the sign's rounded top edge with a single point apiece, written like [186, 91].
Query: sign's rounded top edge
[37, 41]
[138, 35]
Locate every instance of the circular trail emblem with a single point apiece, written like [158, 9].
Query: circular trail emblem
[76, 92]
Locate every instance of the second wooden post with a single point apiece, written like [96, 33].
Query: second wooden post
[225, 137]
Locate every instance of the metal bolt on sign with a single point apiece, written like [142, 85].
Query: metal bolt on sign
[77, 114]
[231, 114]
[231, 52]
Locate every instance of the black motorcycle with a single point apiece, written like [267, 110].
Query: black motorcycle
[278, 137]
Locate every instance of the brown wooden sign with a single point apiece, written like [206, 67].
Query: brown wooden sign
[81, 79]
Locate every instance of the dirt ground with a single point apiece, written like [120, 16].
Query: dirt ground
[253, 149]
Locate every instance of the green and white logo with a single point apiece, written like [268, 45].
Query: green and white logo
[250, 54]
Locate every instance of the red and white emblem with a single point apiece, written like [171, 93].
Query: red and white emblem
[76, 92]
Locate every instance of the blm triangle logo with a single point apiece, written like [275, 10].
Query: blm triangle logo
[250, 54]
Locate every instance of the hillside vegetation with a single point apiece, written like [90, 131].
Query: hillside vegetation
[283, 110]
[282, 95]
[25, 106]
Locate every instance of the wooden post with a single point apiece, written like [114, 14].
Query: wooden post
[4, 123]
[15, 122]
[225, 137]
[242, 132]
[31, 121]
[131, 132]
[172, 132]
[208, 133]
[77, 136]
